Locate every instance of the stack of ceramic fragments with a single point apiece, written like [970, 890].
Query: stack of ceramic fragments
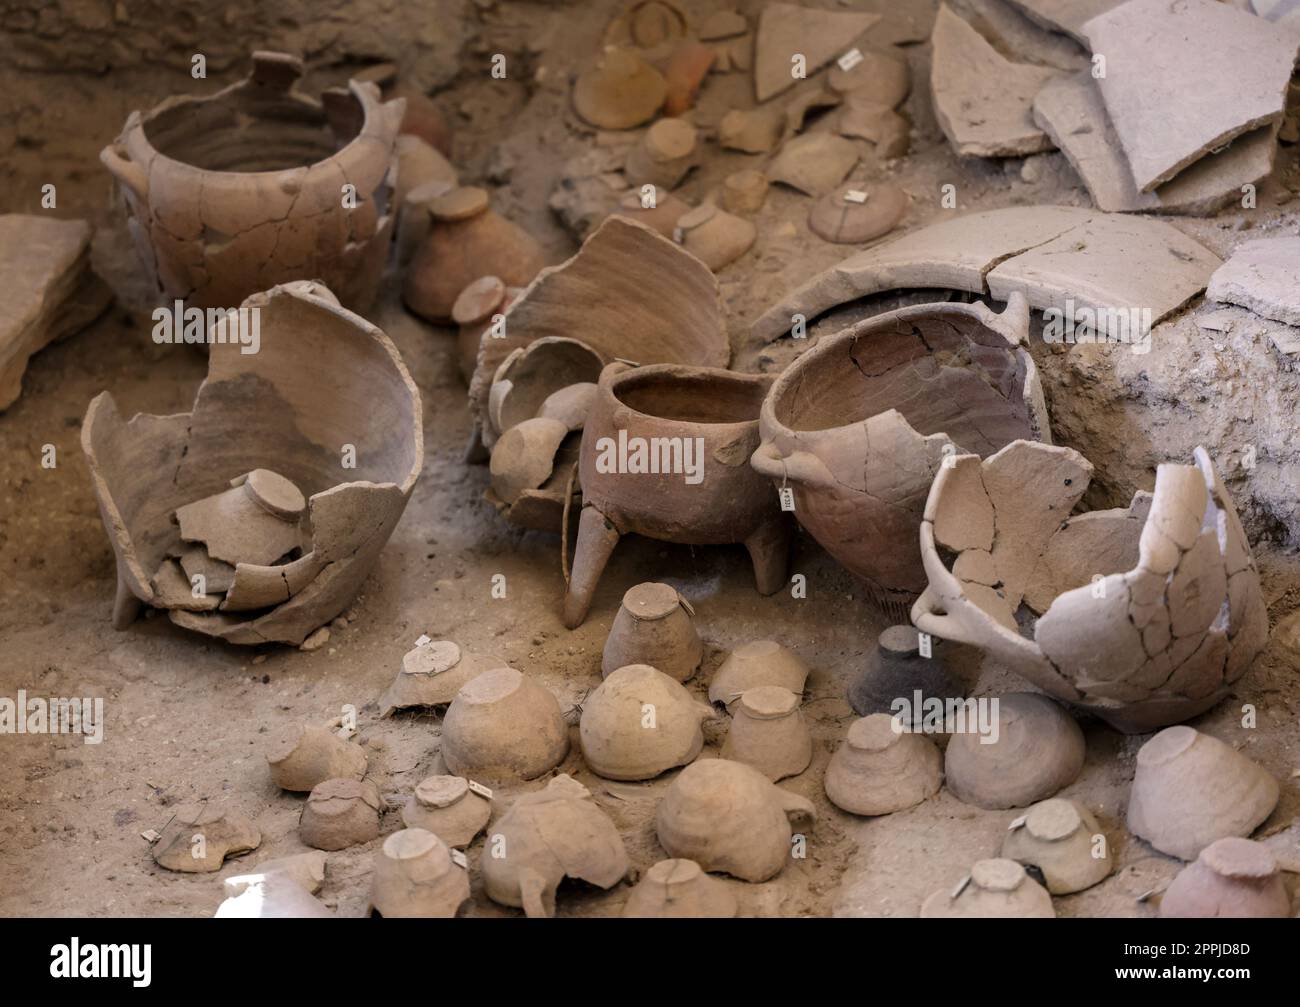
[1259, 286]
[1168, 108]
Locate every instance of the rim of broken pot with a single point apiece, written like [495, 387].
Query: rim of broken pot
[367, 95]
[614, 384]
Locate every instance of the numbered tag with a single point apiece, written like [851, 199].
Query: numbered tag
[1017, 823]
[424, 638]
[849, 60]
[926, 648]
[786, 493]
[459, 859]
[855, 196]
[479, 789]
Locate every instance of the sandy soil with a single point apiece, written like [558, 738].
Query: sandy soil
[187, 718]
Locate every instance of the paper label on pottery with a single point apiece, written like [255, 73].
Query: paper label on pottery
[855, 196]
[423, 639]
[459, 859]
[478, 788]
[849, 60]
[786, 493]
[1017, 823]
[925, 643]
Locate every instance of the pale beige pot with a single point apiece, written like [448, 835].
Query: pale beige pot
[768, 732]
[878, 770]
[655, 626]
[502, 727]
[447, 807]
[994, 889]
[415, 877]
[679, 889]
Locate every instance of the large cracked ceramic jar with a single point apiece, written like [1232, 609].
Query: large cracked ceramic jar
[258, 185]
[859, 425]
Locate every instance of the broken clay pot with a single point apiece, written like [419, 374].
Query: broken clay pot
[1191, 789]
[728, 817]
[752, 131]
[768, 732]
[235, 192]
[760, 662]
[503, 727]
[657, 209]
[432, 674]
[709, 414]
[994, 889]
[621, 91]
[303, 755]
[415, 878]
[445, 806]
[255, 521]
[1149, 613]
[663, 156]
[859, 424]
[476, 309]
[715, 237]
[1038, 750]
[322, 378]
[306, 870]
[199, 837]
[639, 723]
[549, 835]
[524, 457]
[814, 163]
[896, 668]
[1063, 840]
[655, 626]
[856, 213]
[1231, 878]
[531, 374]
[466, 240]
[879, 770]
[340, 813]
[679, 890]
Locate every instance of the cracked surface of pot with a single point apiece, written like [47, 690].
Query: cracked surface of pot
[665, 455]
[728, 817]
[302, 755]
[238, 191]
[503, 727]
[323, 377]
[554, 833]
[769, 732]
[1190, 789]
[432, 674]
[1149, 613]
[759, 662]
[639, 723]
[199, 837]
[878, 770]
[415, 878]
[1230, 878]
[1063, 840]
[679, 889]
[860, 423]
[1037, 750]
[993, 889]
[340, 813]
[655, 626]
[445, 806]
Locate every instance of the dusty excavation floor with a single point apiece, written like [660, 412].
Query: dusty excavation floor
[187, 719]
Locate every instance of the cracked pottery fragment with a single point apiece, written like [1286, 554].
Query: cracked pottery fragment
[445, 806]
[729, 818]
[859, 424]
[696, 425]
[754, 664]
[1060, 838]
[639, 723]
[1038, 750]
[655, 626]
[768, 731]
[555, 833]
[679, 890]
[1024, 39]
[340, 813]
[527, 378]
[502, 728]
[51, 291]
[1262, 275]
[1191, 789]
[994, 889]
[200, 837]
[713, 236]
[1143, 626]
[818, 35]
[415, 878]
[879, 770]
[814, 163]
[301, 756]
[663, 156]
[1231, 878]
[306, 870]
[1068, 16]
[235, 192]
[752, 131]
[322, 378]
[431, 675]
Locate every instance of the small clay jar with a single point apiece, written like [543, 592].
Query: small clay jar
[255, 521]
[445, 806]
[896, 669]
[415, 878]
[715, 237]
[729, 817]
[1231, 878]
[761, 662]
[995, 889]
[769, 733]
[1039, 749]
[1060, 838]
[224, 833]
[638, 723]
[301, 756]
[680, 890]
[654, 626]
[431, 675]
[466, 240]
[663, 156]
[744, 192]
[340, 813]
[503, 728]
[879, 770]
[473, 311]
[1191, 789]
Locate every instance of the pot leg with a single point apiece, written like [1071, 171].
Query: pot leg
[126, 606]
[596, 541]
[769, 550]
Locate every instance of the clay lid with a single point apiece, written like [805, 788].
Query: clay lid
[415, 844]
[621, 91]
[490, 687]
[839, 218]
[1053, 820]
[478, 300]
[651, 601]
[332, 797]
[274, 493]
[440, 791]
[873, 733]
[1239, 858]
[900, 641]
[283, 742]
[425, 193]
[1167, 745]
[768, 702]
[692, 219]
[432, 658]
[999, 875]
[723, 24]
[674, 872]
[670, 139]
[459, 204]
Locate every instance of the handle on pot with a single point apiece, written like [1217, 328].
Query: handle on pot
[798, 466]
[532, 893]
[126, 171]
[927, 617]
